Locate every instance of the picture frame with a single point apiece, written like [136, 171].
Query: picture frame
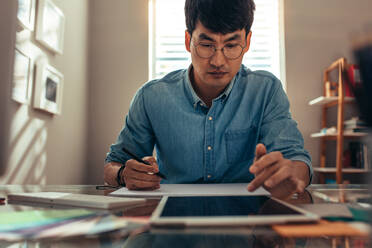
[26, 14]
[50, 26]
[22, 77]
[48, 88]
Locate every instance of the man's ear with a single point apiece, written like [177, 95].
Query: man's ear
[248, 42]
[187, 41]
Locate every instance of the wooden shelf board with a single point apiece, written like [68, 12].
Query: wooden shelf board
[344, 170]
[324, 100]
[346, 134]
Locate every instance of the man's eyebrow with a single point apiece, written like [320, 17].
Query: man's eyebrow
[234, 37]
[203, 36]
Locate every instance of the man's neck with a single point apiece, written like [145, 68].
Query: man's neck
[205, 93]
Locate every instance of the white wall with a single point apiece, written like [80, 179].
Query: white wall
[118, 67]
[46, 149]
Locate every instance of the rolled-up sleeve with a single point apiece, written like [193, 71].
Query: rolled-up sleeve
[279, 131]
[136, 136]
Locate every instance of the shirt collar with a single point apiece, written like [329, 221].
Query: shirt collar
[195, 98]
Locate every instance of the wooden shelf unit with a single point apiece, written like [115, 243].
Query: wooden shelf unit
[339, 101]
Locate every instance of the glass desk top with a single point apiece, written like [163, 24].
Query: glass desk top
[248, 236]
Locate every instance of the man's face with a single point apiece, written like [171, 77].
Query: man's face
[217, 71]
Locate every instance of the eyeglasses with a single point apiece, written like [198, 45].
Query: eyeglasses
[230, 51]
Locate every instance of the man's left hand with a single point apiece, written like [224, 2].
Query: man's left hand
[281, 177]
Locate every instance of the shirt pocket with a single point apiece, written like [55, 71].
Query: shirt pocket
[240, 145]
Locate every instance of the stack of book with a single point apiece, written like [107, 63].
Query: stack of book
[359, 155]
[356, 125]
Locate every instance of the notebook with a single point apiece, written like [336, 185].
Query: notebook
[74, 200]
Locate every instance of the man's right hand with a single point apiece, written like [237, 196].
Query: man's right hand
[139, 176]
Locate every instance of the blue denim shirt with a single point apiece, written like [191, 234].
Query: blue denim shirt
[197, 144]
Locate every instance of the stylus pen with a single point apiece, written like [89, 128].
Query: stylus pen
[142, 161]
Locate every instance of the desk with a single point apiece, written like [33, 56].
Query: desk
[263, 236]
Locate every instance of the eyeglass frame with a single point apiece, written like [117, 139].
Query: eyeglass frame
[215, 50]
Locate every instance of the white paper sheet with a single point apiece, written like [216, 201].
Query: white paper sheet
[221, 189]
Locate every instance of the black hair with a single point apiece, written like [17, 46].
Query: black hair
[220, 16]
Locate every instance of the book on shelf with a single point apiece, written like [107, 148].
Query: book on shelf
[355, 121]
[356, 125]
[359, 155]
[358, 130]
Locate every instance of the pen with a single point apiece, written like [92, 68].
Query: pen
[100, 187]
[142, 161]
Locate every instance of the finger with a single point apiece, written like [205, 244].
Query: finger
[260, 151]
[144, 176]
[152, 188]
[153, 163]
[134, 184]
[301, 185]
[150, 159]
[135, 165]
[261, 178]
[265, 161]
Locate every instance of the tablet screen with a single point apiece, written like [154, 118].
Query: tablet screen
[200, 206]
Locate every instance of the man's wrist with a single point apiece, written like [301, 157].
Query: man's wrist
[119, 177]
[110, 172]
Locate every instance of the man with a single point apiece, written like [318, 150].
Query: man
[217, 122]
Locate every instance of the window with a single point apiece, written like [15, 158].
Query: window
[167, 32]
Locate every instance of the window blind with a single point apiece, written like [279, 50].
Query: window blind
[167, 29]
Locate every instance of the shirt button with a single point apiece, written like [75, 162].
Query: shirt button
[209, 176]
[209, 148]
[210, 118]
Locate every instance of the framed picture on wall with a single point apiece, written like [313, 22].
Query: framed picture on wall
[22, 78]
[26, 14]
[48, 88]
[50, 26]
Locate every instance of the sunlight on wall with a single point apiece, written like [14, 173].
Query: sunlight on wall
[28, 134]
[27, 160]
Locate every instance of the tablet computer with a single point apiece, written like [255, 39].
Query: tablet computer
[227, 211]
